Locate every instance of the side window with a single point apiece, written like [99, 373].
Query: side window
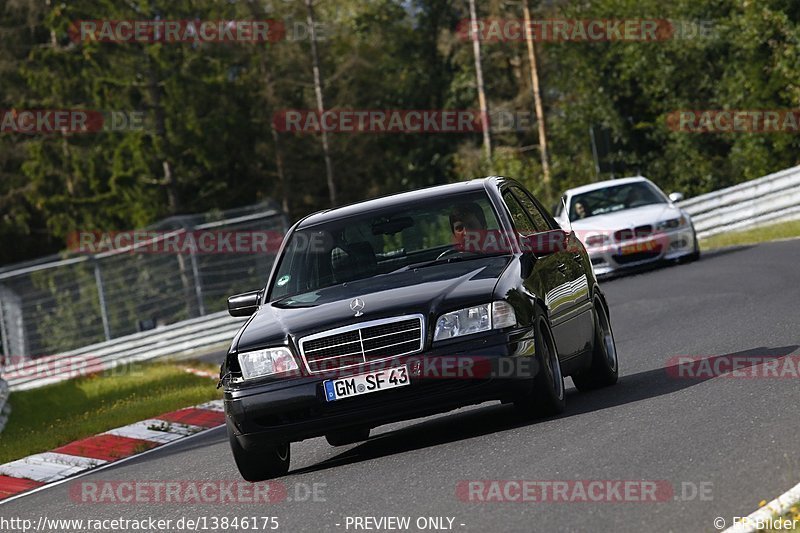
[536, 215]
[521, 220]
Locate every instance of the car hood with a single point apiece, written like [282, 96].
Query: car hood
[429, 291]
[628, 218]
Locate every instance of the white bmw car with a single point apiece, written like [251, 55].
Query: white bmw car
[629, 222]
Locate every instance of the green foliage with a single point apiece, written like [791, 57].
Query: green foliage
[209, 107]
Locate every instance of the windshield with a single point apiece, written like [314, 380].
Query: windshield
[614, 198]
[380, 242]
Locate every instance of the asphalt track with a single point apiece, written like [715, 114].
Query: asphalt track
[737, 436]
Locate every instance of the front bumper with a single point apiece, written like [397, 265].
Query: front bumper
[662, 246]
[501, 367]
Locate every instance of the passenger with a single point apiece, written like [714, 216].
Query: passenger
[634, 198]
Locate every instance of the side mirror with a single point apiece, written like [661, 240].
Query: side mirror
[545, 243]
[244, 304]
[676, 197]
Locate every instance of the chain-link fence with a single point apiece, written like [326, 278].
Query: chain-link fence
[76, 299]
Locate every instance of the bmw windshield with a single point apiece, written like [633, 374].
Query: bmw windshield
[613, 199]
[380, 242]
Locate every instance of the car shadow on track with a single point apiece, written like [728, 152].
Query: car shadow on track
[632, 388]
[681, 374]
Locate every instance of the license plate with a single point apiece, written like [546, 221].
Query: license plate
[390, 378]
[647, 246]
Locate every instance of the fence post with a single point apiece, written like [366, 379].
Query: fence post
[5, 408]
[198, 285]
[102, 298]
[3, 334]
[187, 290]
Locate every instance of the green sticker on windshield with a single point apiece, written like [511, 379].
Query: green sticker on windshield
[283, 280]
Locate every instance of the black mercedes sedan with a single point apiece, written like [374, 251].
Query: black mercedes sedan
[407, 306]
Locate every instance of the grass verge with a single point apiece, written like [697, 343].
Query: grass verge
[782, 230]
[48, 417]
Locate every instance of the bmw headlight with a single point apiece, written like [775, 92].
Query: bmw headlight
[266, 362]
[593, 241]
[672, 223]
[474, 319]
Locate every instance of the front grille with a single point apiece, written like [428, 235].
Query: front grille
[362, 343]
[633, 233]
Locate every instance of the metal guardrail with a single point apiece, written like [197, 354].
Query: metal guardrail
[5, 407]
[773, 198]
[181, 339]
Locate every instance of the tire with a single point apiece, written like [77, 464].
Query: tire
[341, 438]
[547, 397]
[692, 257]
[604, 369]
[260, 463]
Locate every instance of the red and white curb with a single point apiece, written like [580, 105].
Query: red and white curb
[76, 457]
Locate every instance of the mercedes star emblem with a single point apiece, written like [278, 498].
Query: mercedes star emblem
[357, 305]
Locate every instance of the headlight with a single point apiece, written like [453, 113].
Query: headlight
[672, 223]
[475, 319]
[266, 362]
[596, 240]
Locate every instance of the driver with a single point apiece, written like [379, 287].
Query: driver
[464, 218]
[580, 210]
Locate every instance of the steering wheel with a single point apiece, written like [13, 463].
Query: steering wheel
[449, 252]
